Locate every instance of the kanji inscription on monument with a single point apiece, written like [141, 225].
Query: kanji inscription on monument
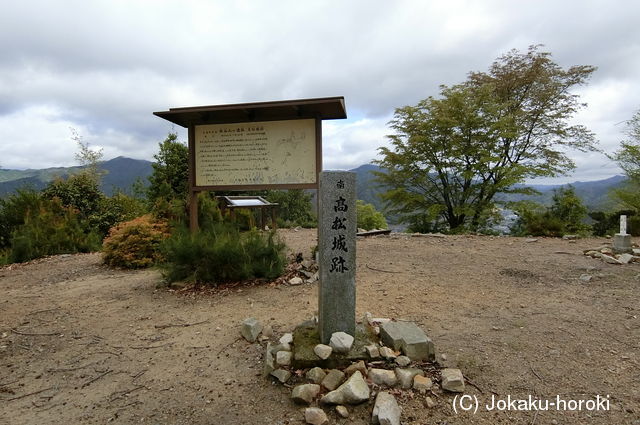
[337, 252]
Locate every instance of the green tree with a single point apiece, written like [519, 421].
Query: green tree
[87, 157]
[368, 217]
[628, 157]
[294, 207]
[450, 157]
[565, 215]
[170, 178]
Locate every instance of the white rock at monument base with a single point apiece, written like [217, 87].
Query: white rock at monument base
[315, 416]
[356, 366]
[323, 351]
[286, 338]
[626, 258]
[341, 342]
[373, 351]
[305, 393]
[610, 260]
[403, 361]
[405, 376]
[386, 410]
[354, 391]
[283, 358]
[333, 379]
[251, 328]
[269, 361]
[315, 375]
[452, 380]
[281, 374]
[387, 353]
[383, 377]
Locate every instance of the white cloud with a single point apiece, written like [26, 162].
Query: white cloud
[104, 66]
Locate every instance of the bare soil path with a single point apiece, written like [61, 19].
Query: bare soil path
[84, 344]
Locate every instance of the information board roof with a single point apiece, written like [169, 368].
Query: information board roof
[326, 108]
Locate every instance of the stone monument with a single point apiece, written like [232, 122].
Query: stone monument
[622, 240]
[337, 254]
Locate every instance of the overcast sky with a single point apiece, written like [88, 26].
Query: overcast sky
[103, 67]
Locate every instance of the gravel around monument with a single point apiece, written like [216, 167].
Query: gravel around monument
[84, 344]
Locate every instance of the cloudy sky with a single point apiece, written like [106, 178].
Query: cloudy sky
[103, 67]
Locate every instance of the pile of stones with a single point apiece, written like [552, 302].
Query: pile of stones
[401, 359]
[306, 272]
[608, 254]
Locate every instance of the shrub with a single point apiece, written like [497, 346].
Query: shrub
[13, 211]
[219, 253]
[113, 210]
[135, 243]
[368, 217]
[53, 229]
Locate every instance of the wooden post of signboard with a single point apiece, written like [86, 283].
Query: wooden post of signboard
[193, 194]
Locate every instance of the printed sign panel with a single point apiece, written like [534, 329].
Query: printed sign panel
[256, 153]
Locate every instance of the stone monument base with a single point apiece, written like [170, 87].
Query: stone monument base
[306, 337]
[622, 243]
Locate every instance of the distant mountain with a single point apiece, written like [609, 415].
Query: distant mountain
[121, 174]
[594, 194]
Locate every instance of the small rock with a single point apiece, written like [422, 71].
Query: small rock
[373, 351]
[531, 240]
[443, 356]
[386, 410]
[606, 250]
[636, 251]
[342, 411]
[269, 361]
[403, 361]
[585, 278]
[295, 281]
[322, 351]
[354, 391]
[286, 339]
[315, 416]
[626, 258]
[315, 375]
[333, 379]
[452, 380]
[305, 393]
[429, 402]
[422, 384]
[387, 353]
[610, 260]
[383, 377]
[280, 347]
[282, 375]
[283, 358]
[251, 328]
[341, 342]
[570, 237]
[405, 376]
[267, 331]
[356, 366]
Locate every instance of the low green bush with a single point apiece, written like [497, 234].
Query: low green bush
[220, 253]
[136, 243]
[53, 229]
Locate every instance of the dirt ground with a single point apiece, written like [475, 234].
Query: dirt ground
[84, 344]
